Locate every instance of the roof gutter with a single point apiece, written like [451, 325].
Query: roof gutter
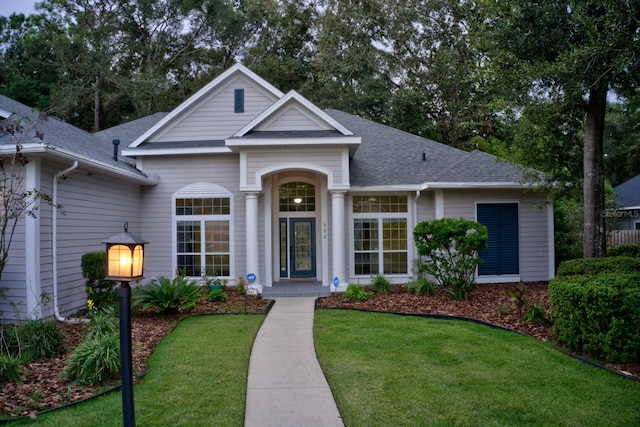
[60, 176]
[66, 154]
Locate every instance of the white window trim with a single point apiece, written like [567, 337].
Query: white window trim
[380, 216]
[203, 190]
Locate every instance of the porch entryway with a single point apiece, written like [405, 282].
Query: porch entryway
[296, 288]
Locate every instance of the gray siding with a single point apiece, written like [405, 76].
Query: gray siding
[157, 209]
[213, 117]
[326, 158]
[292, 118]
[533, 236]
[93, 208]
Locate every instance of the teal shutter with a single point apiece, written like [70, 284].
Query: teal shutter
[502, 255]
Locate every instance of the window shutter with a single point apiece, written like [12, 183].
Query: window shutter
[501, 256]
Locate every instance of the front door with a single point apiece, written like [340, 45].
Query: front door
[297, 248]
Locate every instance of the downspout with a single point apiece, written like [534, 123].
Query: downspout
[54, 233]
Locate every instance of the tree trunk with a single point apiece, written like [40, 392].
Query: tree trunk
[594, 233]
[96, 106]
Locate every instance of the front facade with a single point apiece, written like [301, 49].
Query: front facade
[243, 180]
[290, 192]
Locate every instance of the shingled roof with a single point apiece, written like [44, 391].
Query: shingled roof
[391, 157]
[62, 139]
[629, 193]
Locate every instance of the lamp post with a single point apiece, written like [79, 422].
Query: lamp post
[125, 259]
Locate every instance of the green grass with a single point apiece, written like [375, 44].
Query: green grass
[197, 377]
[395, 370]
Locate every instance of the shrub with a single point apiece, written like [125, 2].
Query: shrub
[448, 250]
[624, 250]
[217, 295]
[31, 340]
[381, 284]
[356, 293]
[598, 315]
[95, 361]
[593, 266]
[100, 290]
[165, 295]
[421, 286]
[9, 369]
[39, 339]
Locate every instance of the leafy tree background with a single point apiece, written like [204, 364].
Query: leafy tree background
[550, 84]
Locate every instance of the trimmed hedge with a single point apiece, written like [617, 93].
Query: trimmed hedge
[624, 250]
[598, 315]
[595, 266]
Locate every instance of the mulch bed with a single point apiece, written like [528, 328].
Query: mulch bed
[42, 387]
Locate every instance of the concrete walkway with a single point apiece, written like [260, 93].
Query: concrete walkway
[286, 386]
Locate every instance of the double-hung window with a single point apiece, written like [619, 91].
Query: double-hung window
[203, 235]
[380, 244]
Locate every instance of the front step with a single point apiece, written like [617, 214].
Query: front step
[293, 289]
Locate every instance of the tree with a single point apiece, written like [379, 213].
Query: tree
[437, 94]
[26, 56]
[350, 70]
[576, 50]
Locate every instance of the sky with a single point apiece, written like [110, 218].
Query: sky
[7, 7]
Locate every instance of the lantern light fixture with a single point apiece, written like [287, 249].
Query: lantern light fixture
[125, 256]
[125, 261]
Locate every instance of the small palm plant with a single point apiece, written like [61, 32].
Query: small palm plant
[168, 296]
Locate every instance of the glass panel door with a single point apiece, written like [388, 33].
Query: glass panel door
[303, 254]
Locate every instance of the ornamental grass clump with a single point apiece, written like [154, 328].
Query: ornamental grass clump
[96, 359]
[381, 284]
[10, 370]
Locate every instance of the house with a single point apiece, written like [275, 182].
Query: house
[628, 214]
[242, 179]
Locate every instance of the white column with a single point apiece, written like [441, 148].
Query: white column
[252, 250]
[338, 237]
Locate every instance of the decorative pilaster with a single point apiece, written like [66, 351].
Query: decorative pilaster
[338, 236]
[253, 253]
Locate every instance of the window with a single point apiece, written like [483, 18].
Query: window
[380, 234]
[637, 225]
[203, 231]
[297, 197]
[238, 101]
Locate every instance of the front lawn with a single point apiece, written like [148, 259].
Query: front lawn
[197, 377]
[387, 369]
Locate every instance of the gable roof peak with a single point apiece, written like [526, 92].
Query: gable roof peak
[201, 94]
[290, 98]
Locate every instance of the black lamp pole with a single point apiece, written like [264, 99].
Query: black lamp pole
[126, 370]
[125, 258]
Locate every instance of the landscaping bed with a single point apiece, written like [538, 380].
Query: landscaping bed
[42, 388]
